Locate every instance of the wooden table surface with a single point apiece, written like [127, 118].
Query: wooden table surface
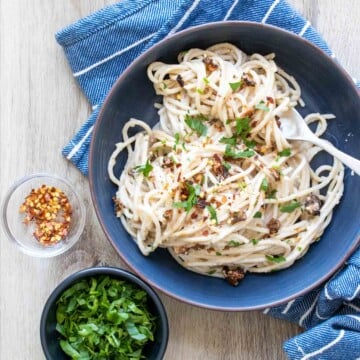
[41, 107]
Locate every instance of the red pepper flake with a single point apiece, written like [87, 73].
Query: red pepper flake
[49, 208]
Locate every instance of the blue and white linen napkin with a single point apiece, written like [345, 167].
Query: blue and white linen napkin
[99, 48]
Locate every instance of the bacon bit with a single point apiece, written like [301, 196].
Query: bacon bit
[275, 174]
[194, 215]
[249, 113]
[180, 80]
[167, 163]
[233, 276]
[118, 206]
[49, 208]
[201, 203]
[248, 82]
[205, 232]
[270, 100]
[167, 214]
[218, 167]
[237, 217]
[277, 120]
[273, 225]
[313, 205]
[209, 64]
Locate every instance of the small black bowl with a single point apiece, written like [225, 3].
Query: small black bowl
[50, 337]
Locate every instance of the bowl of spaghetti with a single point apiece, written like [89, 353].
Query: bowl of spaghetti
[195, 185]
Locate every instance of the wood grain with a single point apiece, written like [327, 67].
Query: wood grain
[41, 107]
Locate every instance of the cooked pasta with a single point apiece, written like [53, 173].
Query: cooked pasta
[216, 182]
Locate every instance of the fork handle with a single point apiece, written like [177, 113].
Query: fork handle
[346, 159]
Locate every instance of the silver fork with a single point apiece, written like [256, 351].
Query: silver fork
[294, 127]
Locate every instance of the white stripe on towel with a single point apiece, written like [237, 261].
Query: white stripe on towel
[352, 306]
[183, 19]
[327, 293]
[76, 148]
[305, 27]
[308, 311]
[120, 52]
[328, 346]
[271, 8]
[231, 10]
[355, 294]
[288, 306]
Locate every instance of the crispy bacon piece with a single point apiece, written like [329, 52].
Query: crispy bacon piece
[273, 225]
[180, 80]
[233, 276]
[313, 205]
[210, 64]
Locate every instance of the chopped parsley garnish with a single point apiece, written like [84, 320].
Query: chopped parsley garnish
[261, 106]
[196, 123]
[212, 213]
[236, 85]
[200, 91]
[194, 192]
[285, 152]
[242, 127]
[226, 165]
[249, 143]
[271, 194]
[229, 141]
[230, 152]
[218, 253]
[275, 258]
[206, 80]
[211, 272]
[145, 169]
[258, 215]
[290, 207]
[164, 86]
[254, 241]
[264, 185]
[233, 243]
[104, 318]
[177, 139]
[299, 248]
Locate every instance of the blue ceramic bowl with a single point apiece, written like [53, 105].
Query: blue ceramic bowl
[50, 337]
[325, 88]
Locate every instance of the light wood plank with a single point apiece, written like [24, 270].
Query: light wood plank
[41, 107]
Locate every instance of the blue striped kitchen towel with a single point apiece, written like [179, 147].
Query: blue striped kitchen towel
[99, 48]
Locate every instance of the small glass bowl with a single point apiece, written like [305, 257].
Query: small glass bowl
[22, 234]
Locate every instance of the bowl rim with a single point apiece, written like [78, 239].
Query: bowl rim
[98, 121]
[4, 222]
[112, 272]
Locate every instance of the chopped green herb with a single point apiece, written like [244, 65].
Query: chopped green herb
[195, 123]
[200, 91]
[242, 185]
[211, 272]
[194, 192]
[145, 169]
[233, 243]
[261, 106]
[271, 194]
[177, 139]
[163, 142]
[275, 258]
[228, 121]
[104, 318]
[229, 141]
[299, 248]
[226, 165]
[164, 86]
[236, 85]
[206, 80]
[285, 152]
[290, 207]
[254, 241]
[230, 152]
[212, 213]
[249, 143]
[218, 253]
[183, 146]
[258, 215]
[264, 185]
[242, 126]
